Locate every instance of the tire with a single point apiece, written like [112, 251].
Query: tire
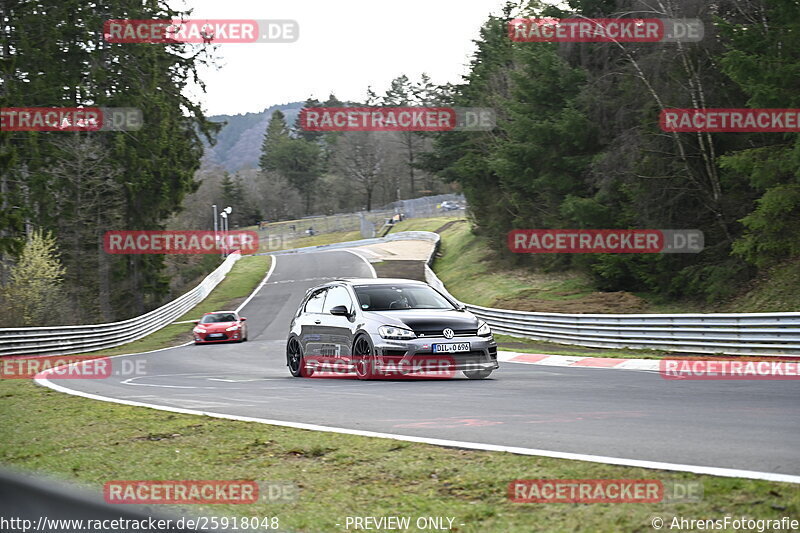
[477, 374]
[294, 359]
[364, 358]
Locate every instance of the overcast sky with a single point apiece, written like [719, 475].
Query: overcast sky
[344, 47]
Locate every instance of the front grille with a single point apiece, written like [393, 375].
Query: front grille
[438, 332]
[459, 356]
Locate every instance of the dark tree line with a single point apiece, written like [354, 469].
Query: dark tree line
[578, 142]
[77, 185]
[344, 171]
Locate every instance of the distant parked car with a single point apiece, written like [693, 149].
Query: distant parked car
[220, 326]
[447, 205]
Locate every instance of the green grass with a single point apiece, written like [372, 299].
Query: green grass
[466, 268]
[423, 224]
[92, 442]
[314, 240]
[775, 290]
[243, 278]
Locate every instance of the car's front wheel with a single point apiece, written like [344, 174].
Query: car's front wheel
[477, 374]
[294, 358]
[364, 358]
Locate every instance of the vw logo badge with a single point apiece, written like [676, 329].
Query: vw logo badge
[448, 333]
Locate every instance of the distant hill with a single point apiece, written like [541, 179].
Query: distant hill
[239, 142]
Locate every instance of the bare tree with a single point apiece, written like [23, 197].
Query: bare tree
[362, 157]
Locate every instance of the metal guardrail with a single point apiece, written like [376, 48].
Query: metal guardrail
[64, 340]
[776, 334]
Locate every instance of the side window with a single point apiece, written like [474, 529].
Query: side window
[314, 304]
[337, 295]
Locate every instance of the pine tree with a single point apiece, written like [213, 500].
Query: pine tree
[276, 133]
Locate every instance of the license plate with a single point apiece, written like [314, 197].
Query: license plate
[214, 335]
[451, 348]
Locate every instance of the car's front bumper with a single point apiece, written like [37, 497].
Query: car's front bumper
[482, 354]
[230, 336]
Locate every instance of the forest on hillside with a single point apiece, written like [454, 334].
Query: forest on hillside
[578, 143]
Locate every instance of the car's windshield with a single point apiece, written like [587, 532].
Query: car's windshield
[398, 297]
[218, 317]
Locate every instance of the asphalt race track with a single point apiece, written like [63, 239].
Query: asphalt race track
[632, 415]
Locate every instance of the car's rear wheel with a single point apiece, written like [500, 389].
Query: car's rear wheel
[477, 374]
[364, 358]
[294, 358]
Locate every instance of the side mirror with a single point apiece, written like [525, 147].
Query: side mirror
[242, 318]
[340, 310]
[195, 321]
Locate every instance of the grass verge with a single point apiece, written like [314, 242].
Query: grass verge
[313, 240]
[465, 265]
[91, 442]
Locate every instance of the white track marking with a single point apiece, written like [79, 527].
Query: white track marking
[243, 380]
[260, 285]
[371, 268]
[697, 469]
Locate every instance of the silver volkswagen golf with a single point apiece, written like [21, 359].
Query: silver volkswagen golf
[387, 327]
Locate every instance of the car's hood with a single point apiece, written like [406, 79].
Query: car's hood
[217, 326]
[422, 320]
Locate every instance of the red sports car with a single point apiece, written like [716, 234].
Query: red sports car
[220, 326]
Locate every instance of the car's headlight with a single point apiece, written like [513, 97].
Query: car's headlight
[199, 330]
[393, 332]
[484, 330]
[232, 328]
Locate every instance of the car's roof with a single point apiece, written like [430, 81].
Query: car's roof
[217, 312]
[377, 281]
